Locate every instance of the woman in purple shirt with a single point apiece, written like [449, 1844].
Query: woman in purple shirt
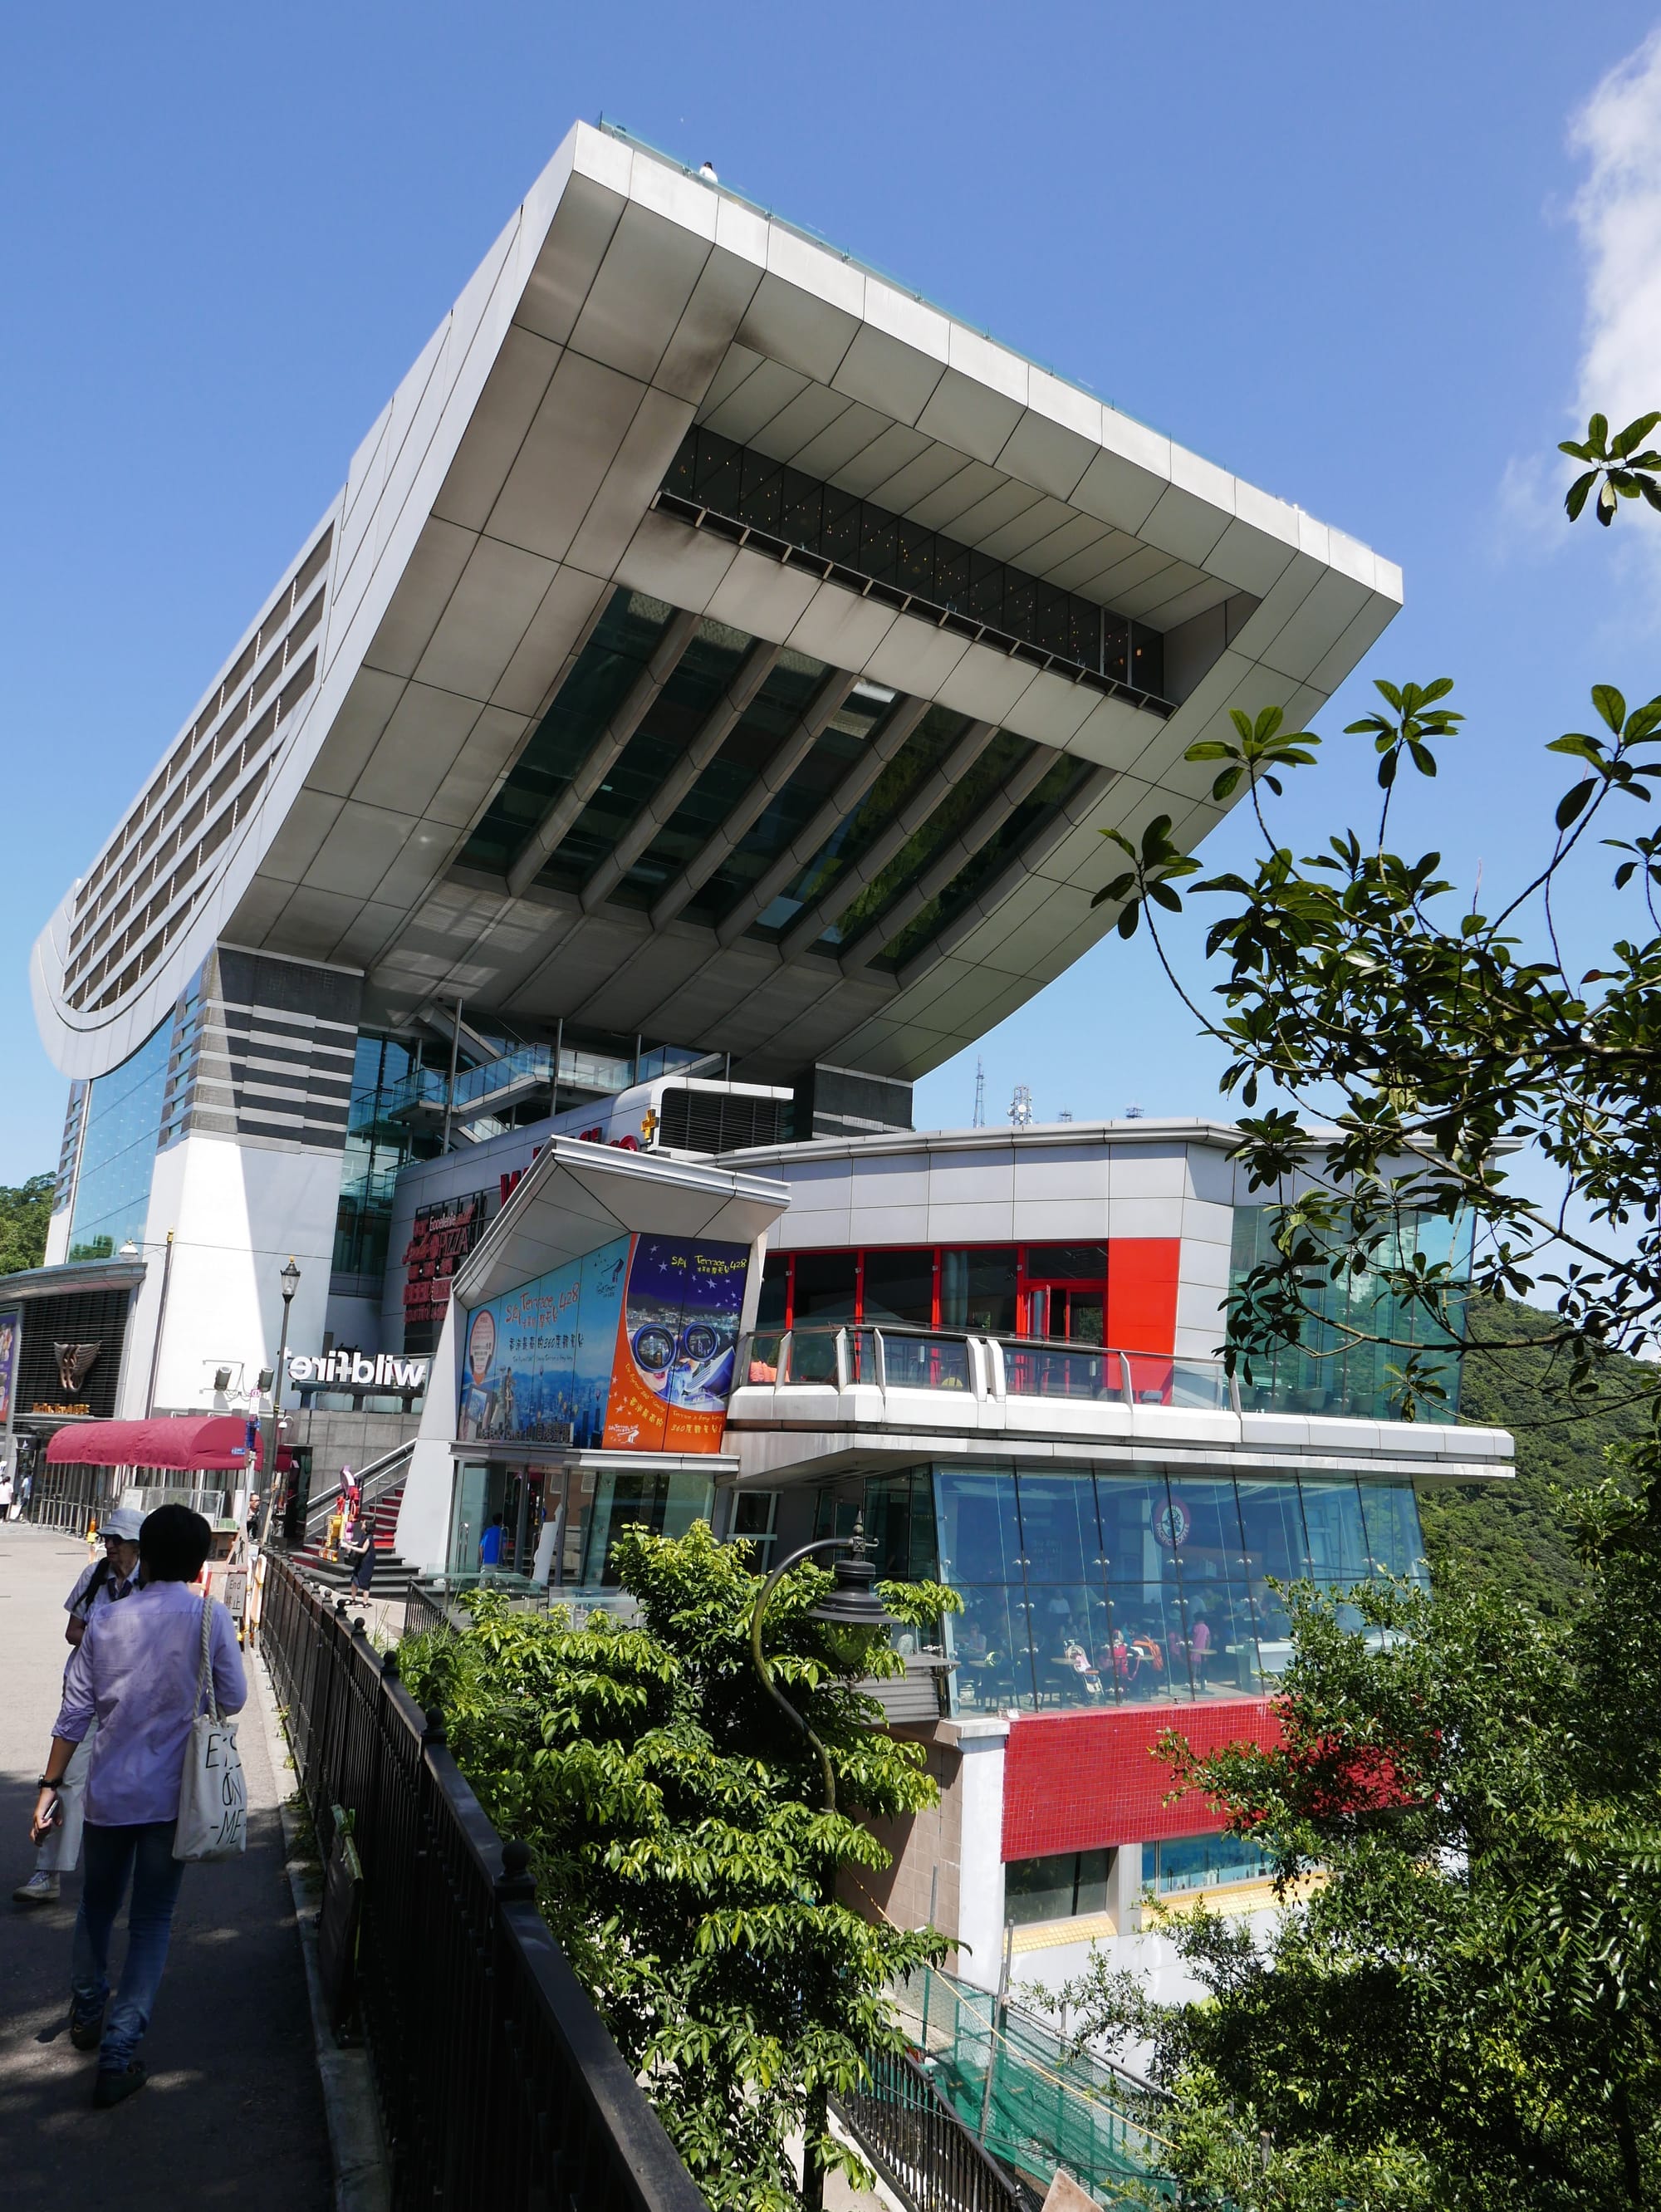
[136, 1672]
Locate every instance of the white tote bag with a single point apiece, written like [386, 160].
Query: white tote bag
[213, 1795]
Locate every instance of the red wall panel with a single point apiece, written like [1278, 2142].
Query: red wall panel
[1142, 1293]
[1079, 1782]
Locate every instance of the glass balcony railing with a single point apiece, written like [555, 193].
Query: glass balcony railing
[834, 1356]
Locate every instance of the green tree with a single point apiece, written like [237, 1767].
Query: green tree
[25, 1213]
[680, 1849]
[1460, 2011]
[1436, 1038]
[1460, 2008]
[1519, 1536]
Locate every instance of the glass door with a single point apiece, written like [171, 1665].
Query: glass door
[1066, 1313]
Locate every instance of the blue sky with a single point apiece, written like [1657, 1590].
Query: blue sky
[1374, 260]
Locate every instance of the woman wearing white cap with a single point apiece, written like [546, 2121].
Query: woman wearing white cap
[104, 1581]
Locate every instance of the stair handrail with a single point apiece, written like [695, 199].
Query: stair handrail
[374, 1481]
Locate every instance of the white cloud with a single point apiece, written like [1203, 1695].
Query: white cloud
[1618, 211]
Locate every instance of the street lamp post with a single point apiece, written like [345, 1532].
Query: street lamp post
[854, 1603]
[290, 1281]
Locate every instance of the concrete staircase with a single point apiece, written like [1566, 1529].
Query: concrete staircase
[392, 1574]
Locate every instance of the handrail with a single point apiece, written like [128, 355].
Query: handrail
[500, 2088]
[922, 2149]
[988, 1359]
[374, 1481]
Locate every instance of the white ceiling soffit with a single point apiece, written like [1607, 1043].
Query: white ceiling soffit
[504, 492]
[576, 1197]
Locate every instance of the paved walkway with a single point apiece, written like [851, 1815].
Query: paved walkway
[233, 2113]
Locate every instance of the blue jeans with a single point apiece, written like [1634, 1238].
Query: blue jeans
[143, 1851]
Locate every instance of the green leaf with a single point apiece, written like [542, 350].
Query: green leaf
[1597, 435]
[1210, 749]
[1572, 803]
[1575, 498]
[1634, 434]
[1423, 759]
[1226, 782]
[1128, 919]
[1611, 705]
[1574, 741]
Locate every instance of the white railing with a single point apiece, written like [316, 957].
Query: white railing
[985, 1367]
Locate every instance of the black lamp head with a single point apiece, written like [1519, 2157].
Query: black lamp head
[853, 1602]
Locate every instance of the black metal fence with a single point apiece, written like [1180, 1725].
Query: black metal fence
[920, 2147]
[498, 2084]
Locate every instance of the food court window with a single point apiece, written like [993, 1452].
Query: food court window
[1191, 1863]
[1060, 1888]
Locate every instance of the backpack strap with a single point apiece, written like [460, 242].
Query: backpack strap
[88, 1597]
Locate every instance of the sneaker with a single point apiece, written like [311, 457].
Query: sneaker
[85, 2028]
[39, 1889]
[113, 2088]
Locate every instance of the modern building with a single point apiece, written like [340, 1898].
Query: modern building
[693, 720]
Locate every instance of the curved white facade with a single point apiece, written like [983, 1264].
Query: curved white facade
[324, 803]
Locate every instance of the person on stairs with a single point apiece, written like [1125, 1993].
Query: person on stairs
[106, 1581]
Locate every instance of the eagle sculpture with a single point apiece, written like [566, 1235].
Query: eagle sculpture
[74, 1363]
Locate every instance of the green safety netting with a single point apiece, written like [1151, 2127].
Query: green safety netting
[1046, 2106]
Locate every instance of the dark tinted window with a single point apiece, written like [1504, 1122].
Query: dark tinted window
[1066, 1263]
[824, 1286]
[900, 1286]
[978, 1290]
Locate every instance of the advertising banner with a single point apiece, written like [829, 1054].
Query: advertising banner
[631, 1348]
[11, 1329]
[677, 1338]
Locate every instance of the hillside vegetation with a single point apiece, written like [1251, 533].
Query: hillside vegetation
[1516, 1536]
[25, 1210]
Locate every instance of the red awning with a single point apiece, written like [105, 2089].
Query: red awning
[201, 1443]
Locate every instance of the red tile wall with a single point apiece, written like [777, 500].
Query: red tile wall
[1079, 1782]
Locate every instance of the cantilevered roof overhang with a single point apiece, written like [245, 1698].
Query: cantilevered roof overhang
[552, 718]
[576, 1197]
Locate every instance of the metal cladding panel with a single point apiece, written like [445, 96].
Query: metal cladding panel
[507, 492]
[1086, 1782]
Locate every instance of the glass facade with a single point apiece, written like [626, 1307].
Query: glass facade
[711, 473]
[1053, 1291]
[627, 634]
[1191, 1863]
[730, 786]
[377, 1147]
[122, 1115]
[1084, 1589]
[1330, 1373]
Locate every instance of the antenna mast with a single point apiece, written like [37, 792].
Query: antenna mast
[980, 1120]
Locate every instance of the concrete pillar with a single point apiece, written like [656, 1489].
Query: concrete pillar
[982, 1742]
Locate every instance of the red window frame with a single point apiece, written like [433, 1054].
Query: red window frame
[1024, 1281]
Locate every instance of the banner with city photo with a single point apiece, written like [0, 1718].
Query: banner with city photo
[630, 1348]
